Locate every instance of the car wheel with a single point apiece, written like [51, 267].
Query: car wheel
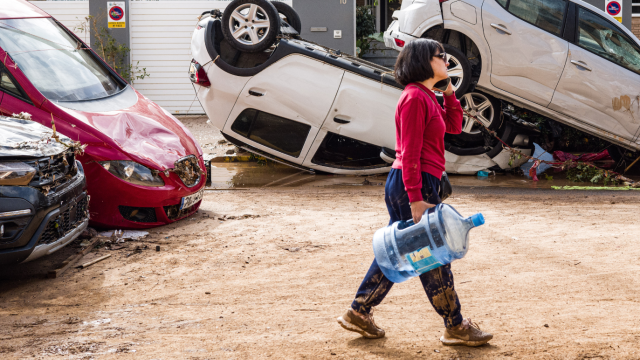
[289, 15]
[623, 158]
[459, 70]
[486, 109]
[250, 25]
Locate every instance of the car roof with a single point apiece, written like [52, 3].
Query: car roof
[16, 9]
[608, 17]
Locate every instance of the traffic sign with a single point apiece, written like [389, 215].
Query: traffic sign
[116, 14]
[614, 8]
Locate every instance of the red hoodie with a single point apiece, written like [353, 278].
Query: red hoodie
[420, 127]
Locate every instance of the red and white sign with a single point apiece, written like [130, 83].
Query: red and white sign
[614, 8]
[116, 14]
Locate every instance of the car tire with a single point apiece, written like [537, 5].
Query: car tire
[623, 158]
[459, 70]
[486, 108]
[243, 13]
[288, 15]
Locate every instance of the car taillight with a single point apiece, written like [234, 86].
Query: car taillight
[399, 42]
[198, 75]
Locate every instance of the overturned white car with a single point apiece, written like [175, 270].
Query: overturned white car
[315, 108]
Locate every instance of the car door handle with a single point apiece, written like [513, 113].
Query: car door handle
[581, 64]
[255, 93]
[501, 28]
[341, 121]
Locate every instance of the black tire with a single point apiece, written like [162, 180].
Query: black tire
[623, 158]
[264, 36]
[289, 15]
[458, 61]
[472, 136]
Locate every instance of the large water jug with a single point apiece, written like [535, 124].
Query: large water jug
[404, 249]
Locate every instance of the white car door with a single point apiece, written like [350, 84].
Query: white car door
[280, 109]
[528, 52]
[361, 121]
[601, 82]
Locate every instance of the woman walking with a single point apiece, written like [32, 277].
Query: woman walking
[412, 188]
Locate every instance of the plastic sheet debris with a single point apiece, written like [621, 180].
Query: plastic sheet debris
[588, 157]
[483, 174]
[119, 236]
[540, 154]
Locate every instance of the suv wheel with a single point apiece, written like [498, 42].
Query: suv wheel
[288, 15]
[486, 109]
[459, 70]
[251, 25]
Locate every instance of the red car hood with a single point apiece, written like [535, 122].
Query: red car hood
[145, 132]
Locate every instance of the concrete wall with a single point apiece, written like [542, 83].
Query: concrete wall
[332, 15]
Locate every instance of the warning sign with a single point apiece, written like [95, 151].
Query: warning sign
[116, 15]
[614, 8]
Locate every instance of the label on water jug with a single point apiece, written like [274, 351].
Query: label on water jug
[422, 260]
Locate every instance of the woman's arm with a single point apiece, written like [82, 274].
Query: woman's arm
[412, 115]
[452, 114]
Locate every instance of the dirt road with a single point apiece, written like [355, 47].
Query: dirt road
[549, 277]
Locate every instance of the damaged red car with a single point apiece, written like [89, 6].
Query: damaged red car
[143, 167]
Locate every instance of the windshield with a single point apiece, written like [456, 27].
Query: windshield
[55, 63]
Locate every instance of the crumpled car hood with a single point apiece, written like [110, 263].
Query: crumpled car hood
[28, 138]
[145, 132]
[143, 137]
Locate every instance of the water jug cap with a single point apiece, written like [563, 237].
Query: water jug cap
[477, 219]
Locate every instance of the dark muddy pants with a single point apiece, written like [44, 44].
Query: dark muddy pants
[437, 283]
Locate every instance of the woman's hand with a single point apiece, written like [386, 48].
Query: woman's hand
[449, 90]
[417, 210]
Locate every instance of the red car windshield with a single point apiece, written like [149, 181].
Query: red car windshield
[55, 62]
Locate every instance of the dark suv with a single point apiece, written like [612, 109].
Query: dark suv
[43, 200]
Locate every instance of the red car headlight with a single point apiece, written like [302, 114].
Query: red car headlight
[198, 75]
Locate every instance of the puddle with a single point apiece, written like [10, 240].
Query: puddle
[253, 175]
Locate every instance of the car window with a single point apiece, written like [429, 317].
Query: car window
[502, 3]
[545, 14]
[7, 85]
[284, 135]
[55, 63]
[602, 38]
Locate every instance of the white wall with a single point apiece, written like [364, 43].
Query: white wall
[70, 13]
[160, 41]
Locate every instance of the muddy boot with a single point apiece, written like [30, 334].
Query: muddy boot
[361, 323]
[467, 333]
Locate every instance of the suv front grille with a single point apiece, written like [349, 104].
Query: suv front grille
[54, 170]
[67, 220]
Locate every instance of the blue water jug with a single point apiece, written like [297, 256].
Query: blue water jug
[404, 249]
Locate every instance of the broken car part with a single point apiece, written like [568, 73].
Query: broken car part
[43, 200]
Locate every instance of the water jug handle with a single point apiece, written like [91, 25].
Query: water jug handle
[403, 224]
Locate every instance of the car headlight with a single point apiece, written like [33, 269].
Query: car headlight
[133, 172]
[16, 173]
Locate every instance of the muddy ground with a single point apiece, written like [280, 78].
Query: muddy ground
[552, 275]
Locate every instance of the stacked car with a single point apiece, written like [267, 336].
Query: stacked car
[318, 109]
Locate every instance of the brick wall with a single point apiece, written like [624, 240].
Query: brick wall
[635, 26]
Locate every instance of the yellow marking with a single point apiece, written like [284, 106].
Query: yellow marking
[419, 255]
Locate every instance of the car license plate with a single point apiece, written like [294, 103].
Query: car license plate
[188, 201]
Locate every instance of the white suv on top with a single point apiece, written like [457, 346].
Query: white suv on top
[566, 60]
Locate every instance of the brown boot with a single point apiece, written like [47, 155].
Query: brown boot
[361, 323]
[467, 333]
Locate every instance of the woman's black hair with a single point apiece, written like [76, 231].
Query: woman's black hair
[414, 62]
